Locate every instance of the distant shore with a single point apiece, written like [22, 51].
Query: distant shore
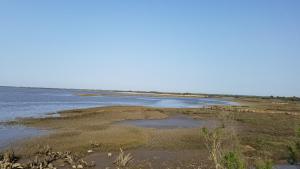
[162, 93]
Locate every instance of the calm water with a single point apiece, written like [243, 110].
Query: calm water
[172, 122]
[10, 134]
[37, 102]
[34, 102]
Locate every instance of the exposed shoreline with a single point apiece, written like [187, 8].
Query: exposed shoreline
[270, 121]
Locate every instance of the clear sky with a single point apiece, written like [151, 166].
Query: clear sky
[208, 46]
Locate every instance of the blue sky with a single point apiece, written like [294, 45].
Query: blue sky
[208, 46]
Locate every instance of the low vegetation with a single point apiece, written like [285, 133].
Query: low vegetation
[257, 133]
[263, 164]
[213, 141]
[123, 159]
[233, 160]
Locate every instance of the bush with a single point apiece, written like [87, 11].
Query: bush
[213, 140]
[297, 132]
[232, 160]
[294, 148]
[292, 155]
[264, 164]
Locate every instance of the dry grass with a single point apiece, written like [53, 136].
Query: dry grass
[123, 159]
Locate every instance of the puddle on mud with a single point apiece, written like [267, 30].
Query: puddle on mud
[286, 166]
[11, 134]
[171, 122]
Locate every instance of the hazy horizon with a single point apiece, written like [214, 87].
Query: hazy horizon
[99, 89]
[212, 47]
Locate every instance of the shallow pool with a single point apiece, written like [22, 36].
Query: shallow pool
[9, 134]
[171, 122]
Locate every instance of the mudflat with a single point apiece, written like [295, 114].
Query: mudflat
[264, 128]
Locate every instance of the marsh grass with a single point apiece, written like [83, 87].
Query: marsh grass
[264, 164]
[267, 131]
[76, 130]
[213, 141]
[233, 160]
[123, 159]
[223, 144]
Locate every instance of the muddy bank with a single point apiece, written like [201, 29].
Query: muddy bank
[99, 125]
[260, 133]
[149, 159]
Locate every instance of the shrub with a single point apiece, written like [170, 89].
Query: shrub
[297, 132]
[123, 159]
[264, 164]
[292, 155]
[294, 148]
[213, 141]
[232, 160]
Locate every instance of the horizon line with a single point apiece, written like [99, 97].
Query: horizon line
[154, 91]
